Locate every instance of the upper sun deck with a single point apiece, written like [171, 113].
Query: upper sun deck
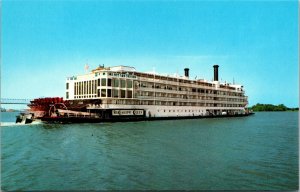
[130, 72]
[120, 68]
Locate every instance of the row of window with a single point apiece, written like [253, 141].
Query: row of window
[85, 96]
[193, 90]
[179, 111]
[123, 83]
[90, 87]
[169, 103]
[85, 87]
[184, 96]
[116, 93]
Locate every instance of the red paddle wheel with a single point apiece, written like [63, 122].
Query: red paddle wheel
[41, 106]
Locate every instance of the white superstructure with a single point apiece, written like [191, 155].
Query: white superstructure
[123, 87]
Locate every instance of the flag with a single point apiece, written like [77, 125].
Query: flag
[86, 67]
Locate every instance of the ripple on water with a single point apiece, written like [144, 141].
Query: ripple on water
[252, 153]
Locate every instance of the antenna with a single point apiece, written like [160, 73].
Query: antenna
[233, 81]
[86, 67]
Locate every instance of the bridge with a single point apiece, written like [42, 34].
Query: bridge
[15, 101]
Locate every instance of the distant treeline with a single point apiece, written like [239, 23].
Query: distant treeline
[270, 107]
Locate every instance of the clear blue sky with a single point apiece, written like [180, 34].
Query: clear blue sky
[254, 42]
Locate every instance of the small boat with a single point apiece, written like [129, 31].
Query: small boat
[25, 118]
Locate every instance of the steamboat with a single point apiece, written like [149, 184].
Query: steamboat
[121, 93]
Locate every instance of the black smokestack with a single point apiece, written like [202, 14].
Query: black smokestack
[216, 73]
[186, 72]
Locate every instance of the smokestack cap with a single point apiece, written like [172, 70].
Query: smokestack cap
[186, 72]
